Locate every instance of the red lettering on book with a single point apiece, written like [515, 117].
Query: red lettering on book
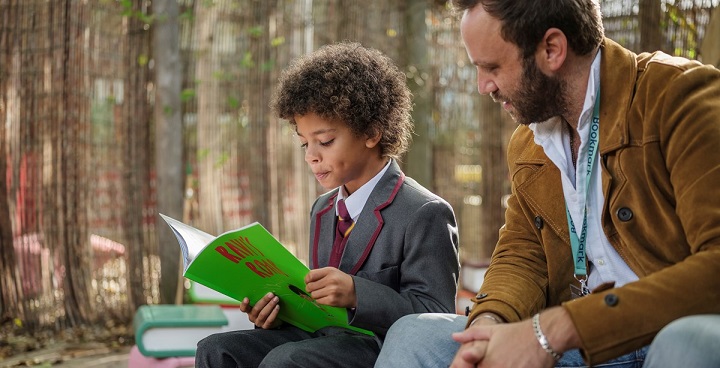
[252, 267]
[270, 265]
[239, 249]
[255, 249]
[265, 268]
[226, 254]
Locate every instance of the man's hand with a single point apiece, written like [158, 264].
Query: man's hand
[471, 352]
[514, 344]
[265, 311]
[330, 286]
[504, 345]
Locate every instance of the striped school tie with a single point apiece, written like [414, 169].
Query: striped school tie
[345, 223]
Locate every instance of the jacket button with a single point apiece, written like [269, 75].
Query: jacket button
[611, 300]
[624, 214]
[539, 222]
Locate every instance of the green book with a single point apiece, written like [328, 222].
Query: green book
[168, 330]
[250, 262]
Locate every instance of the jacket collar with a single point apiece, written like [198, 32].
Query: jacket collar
[362, 239]
[616, 93]
[618, 70]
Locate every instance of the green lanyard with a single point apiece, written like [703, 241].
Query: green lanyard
[579, 243]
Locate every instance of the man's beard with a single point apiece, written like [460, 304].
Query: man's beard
[539, 97]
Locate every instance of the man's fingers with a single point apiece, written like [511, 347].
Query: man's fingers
[469, 354]
[472, 334]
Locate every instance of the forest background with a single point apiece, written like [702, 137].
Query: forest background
[114, 110]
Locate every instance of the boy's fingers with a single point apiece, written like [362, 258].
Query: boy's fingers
[316, 274]
[264, 315]
[271, 318]
[245, 305]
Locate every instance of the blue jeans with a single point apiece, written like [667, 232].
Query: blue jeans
[423, 340]
[687, 342]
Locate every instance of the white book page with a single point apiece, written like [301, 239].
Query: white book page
[192, 241]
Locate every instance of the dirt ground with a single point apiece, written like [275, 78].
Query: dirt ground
[108, 346]
[88, 355]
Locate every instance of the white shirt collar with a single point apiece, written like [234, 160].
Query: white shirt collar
[550, 134]
[542, 129]
[356, 201]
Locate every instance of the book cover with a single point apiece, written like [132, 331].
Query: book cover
[250, 262]
[174, 330]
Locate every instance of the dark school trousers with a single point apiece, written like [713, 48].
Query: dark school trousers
[287, 346]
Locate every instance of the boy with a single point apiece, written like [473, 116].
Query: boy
[397, 252]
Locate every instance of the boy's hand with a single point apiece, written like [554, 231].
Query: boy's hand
[264, 312]
[330, 286]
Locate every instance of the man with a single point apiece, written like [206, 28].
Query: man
[614, 169]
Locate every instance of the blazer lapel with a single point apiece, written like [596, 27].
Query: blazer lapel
[324, 234]
[363, 236]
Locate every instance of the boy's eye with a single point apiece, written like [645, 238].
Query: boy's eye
[327, 143]
[303, 146]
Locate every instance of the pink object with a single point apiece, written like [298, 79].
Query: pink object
[137, 360]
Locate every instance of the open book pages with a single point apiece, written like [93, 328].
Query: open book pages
[250, 262]
[191, 240]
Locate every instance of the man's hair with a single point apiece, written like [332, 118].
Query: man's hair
[358, 86]
[524, 22]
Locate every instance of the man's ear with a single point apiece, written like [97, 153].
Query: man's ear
[373, 140]
[552, 51]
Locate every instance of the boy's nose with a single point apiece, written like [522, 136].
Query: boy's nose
[311, 155]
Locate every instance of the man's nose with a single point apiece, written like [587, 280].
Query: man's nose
[486, 86]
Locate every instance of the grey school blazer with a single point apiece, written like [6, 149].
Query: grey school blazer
[402, 252]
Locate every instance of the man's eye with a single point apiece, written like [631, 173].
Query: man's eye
[324, 144]
[491, 69]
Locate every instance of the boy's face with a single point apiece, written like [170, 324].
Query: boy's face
[337, 156]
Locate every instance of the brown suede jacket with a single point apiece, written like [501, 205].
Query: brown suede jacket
[660, 159]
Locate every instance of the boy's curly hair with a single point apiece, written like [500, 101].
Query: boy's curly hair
[350, 83]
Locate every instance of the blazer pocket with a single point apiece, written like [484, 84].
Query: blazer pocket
[387, 276]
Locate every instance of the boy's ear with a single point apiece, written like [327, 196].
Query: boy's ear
[373, 140]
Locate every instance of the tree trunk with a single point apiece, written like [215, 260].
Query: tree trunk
[168, 142]
[650, 14]
[10, 290]
[710, 49]
[417, 67]
[492, 160]
[263, 188]
[71, 151]
[209, 137]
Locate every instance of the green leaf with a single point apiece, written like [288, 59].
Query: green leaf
[247, 60]
[277, 41]
[233, 102]
[187, 94]
[142, 59]
[268, 65]
[220, 75]
[187, 15]
[256, 31]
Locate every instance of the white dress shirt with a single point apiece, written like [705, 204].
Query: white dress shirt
[356, 201]
[604, 263]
